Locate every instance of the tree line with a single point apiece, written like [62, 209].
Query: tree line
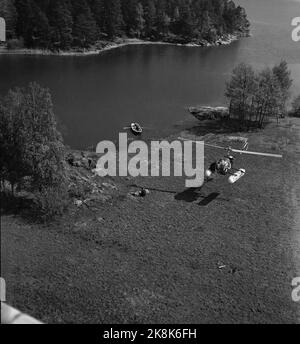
[62, 24]
[254, 96]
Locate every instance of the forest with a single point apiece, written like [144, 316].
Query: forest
[65, 24]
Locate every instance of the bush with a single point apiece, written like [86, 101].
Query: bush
[296, 107]
[15, 44]
[79, 190]
[49, 203]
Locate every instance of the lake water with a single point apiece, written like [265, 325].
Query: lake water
[96, 96]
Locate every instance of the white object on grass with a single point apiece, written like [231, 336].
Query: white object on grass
[238, 175]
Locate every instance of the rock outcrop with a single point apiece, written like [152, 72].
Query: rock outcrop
[209, 113]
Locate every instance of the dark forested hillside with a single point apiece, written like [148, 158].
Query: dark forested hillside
[62, 24]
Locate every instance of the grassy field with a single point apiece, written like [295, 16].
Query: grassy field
[173, 256]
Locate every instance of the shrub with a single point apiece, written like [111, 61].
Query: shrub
[15, 43]
[296, 107]
[49, 203]
[78, 190]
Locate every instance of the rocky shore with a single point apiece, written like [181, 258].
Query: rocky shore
[209, 113]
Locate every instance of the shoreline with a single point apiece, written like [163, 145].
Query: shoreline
[224, 40]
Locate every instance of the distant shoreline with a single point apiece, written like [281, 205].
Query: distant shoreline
[224, 40]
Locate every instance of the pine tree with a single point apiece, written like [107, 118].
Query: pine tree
[98, 10]
[113, 18]
[129, 16]
[85, 30]
[162, 19]
[150, 18]
[140, 21]
[32, 24]
[61, 23]
[184, 25]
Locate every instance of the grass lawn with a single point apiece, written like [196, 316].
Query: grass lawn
[157, 259]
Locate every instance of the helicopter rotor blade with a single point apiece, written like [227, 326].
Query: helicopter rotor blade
[205, 144]
[214, 146]
[257, 153]
[237, 150]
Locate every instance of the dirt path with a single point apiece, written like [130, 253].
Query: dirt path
[172, 257]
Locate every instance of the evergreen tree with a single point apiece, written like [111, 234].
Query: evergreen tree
[163, 21]
[149, 17]
[61, 23]
[129, 16]
[84, 27]
[98, 10]
[140, 21]
[184, 23]
[113, 18]
[32, 24]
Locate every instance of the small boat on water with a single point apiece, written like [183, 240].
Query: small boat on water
[136, 129]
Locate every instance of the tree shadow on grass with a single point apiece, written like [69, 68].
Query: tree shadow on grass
[23, 204]
[13, 205]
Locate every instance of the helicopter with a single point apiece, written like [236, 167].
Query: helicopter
[224, 165]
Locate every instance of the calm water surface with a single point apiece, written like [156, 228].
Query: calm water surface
[96, 96]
